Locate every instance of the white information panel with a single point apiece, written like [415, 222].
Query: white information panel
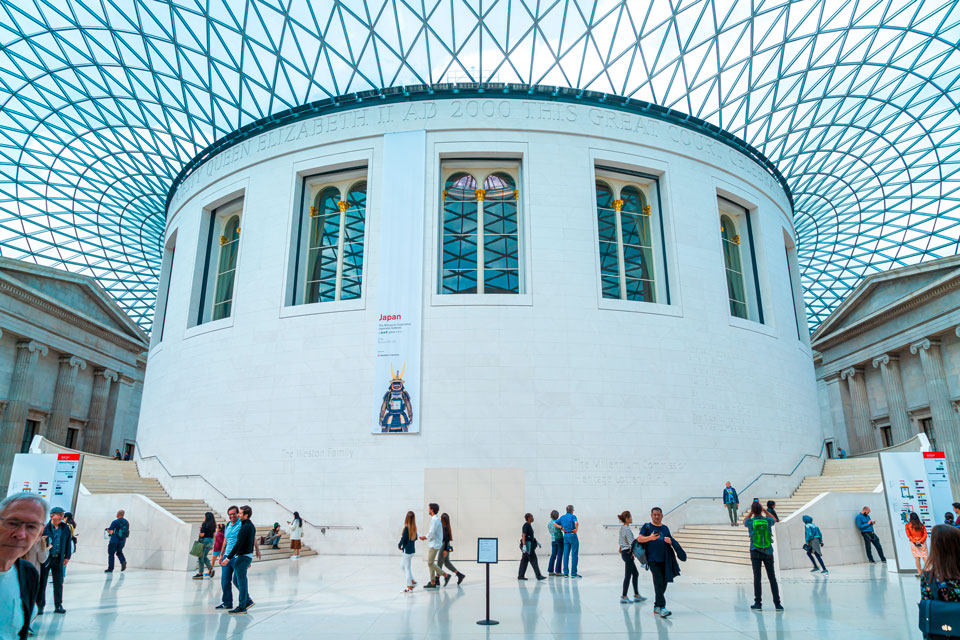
[908, 487]
[55, 477]
[400, 285]
[487, 550]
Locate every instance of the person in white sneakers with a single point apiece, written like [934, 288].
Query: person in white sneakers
[434, 540]
[295, 527]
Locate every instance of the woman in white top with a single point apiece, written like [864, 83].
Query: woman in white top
[626, 552]
[295, 527]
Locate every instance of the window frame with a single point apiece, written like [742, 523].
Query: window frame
[747, 252]
[648, 184]
[481, 169]
[214, 218]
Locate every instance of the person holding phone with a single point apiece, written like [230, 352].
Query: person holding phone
[656, 536]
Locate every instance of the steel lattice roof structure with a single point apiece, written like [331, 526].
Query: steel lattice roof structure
[102, 104]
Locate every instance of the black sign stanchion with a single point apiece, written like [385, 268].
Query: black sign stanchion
[487, 554]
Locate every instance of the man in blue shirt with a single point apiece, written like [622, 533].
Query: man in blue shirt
[732, 503]
[119, 531]
[865, 524]
[571, 544]
[230, 533]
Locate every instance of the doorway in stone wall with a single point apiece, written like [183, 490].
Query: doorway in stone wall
[481, 503]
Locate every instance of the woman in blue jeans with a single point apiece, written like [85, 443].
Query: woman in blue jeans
[556, 544]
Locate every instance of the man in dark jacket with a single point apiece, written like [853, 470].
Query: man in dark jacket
[242, 556]
[57, 534]
[21, 523]
[119, 531]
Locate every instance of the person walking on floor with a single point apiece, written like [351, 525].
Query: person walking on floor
[732, 502]
[528, 548]
[58, 540]
[443, 558]
[917, 534]
[230, 532]
[556, 544]
[408, 546]
[295, 527]
[630, 571]
[571, 543]
[434, 540]
[759, 524]
[241, 556]
[22, 518]
[813, 541]
[865, 524]
[662, 553]
[119, 531]
[217, 549]
[208, 530]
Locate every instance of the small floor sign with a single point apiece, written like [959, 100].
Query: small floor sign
[487, 549]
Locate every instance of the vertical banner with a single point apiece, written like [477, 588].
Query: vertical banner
[400, 284]
[914, 482]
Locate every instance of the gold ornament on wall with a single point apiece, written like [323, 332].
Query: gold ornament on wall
[314, 211]
[617, 205]
[342, 205]
[646, 209]
[480, 194]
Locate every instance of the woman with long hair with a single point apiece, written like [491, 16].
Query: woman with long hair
[941, 574]
[630, 574]
[407, 545]
[443, 558]
[917, 534]
[296, 534]
[207, 532]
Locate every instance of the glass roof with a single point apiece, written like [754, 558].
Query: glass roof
[102, 103]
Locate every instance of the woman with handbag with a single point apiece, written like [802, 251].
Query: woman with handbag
[207, 532]
[940, 584]
[813, 541]
[407, 545]
[631, 573]
[917, 534]
[443, 558]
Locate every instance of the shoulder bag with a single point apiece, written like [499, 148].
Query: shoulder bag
[939, 618]
[639, 552]
[196, 549]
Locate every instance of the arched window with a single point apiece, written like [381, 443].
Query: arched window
[626, 243]
[226, 268]
[734, 268]
[351, 268]
[460, 235]
[322, 253]
[501, 265]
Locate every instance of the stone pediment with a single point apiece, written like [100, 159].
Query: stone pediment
[884, 293]
[73, 294]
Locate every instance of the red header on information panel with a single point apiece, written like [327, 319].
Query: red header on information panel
[934, 454]
[68, 456]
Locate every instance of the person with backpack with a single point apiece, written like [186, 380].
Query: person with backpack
[662, 553]
[813, 540]
[119, 531]
[759, 524]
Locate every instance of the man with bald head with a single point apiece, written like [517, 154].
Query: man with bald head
[22, 516]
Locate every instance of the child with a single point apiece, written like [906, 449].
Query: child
[814, 540]
[217, 548]
[948, 519]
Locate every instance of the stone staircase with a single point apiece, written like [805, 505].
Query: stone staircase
[724, 543]
[103, 475]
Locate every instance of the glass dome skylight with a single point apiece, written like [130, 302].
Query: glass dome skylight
[102, 103]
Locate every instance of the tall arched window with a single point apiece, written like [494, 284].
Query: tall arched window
[734, 268]
[627, 256]
[330, 250]
[226, 268]
[501, 264]
[460, 235]
[321, 280]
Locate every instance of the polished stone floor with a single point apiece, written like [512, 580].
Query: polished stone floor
[361, 597]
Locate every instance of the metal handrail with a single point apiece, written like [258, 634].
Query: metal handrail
[323, 527]
[823, 445]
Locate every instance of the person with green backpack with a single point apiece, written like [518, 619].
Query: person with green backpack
[759, 524]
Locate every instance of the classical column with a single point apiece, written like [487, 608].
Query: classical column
[18, 402]
[842, 430]
[93, 434]
[896, 401]
[63, 398]
[866, 440]
[944, 420]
